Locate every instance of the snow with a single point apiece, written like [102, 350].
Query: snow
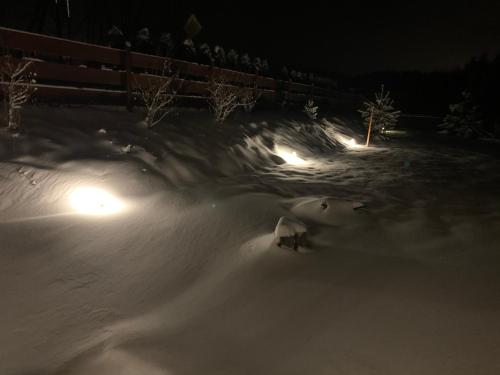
[403, 277]
[288, 227]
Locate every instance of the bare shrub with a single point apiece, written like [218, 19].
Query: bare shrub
[17, 87]
[311, 110]
[248, 98]
[224, 98]
[157, 94]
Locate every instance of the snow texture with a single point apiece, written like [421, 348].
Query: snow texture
[187, 278]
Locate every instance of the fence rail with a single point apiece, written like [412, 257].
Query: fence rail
[70, 70]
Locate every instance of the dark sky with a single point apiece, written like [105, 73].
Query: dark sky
[336, 36]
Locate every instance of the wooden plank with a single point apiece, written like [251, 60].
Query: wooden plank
[48, 71]
[68, 92]
[181, 86]
[48, 45]
[193, 79]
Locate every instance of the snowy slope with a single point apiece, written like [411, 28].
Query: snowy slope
[187, 279]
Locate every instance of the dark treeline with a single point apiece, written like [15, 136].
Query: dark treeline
[431, 93]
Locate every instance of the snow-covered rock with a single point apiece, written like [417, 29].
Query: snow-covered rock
[290, 233]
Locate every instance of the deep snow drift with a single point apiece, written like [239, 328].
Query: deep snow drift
[186, 277]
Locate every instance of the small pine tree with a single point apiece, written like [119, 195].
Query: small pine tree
[463, 119]
[311, 110]
[382, 113]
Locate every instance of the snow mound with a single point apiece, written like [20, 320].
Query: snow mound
[187, 149]
[329, 211]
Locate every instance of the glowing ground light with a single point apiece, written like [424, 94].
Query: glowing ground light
[95, 202]
[289, 156]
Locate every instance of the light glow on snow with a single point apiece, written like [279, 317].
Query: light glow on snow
[289, 156]
[350, 142]
[95, 202]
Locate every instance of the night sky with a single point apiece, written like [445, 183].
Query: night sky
[330, 36]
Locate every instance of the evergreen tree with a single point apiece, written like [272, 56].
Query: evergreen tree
[188, 50]
[245, 63]
[219, 56]
[265, 68]
[381, 111]
[463, 119]
[257, 65]
[143, 41]
[232, 59]
[285, 75]
[205, 54]
[116, 39]
[166, 46]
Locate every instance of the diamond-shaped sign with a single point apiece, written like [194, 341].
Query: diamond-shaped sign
[192, 27]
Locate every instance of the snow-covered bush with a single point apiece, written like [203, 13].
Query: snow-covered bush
[257, 65]
[188, 50]
[166, 46]
[463, 119]
[116, 39]
[380, 112]
[157, 94]
[232, 59]
[219, 56]
[284, 73]
[205, 54]
[16, 88]
[266, 70]
[143, 42]
[311, 110]
[245, 62]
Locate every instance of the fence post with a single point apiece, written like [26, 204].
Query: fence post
[128, 77]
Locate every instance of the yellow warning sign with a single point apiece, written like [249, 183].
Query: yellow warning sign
[192, 27]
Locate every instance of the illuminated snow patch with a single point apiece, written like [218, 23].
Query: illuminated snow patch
[350, 142]
[290, 157]
[95, 201]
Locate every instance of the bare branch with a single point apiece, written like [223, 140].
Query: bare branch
[158, 94]
[17, 88]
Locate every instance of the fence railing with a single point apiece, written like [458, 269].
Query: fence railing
[69, 70]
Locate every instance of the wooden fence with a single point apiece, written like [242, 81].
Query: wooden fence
[69, 71]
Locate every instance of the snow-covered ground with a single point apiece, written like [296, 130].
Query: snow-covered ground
[187, 279]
